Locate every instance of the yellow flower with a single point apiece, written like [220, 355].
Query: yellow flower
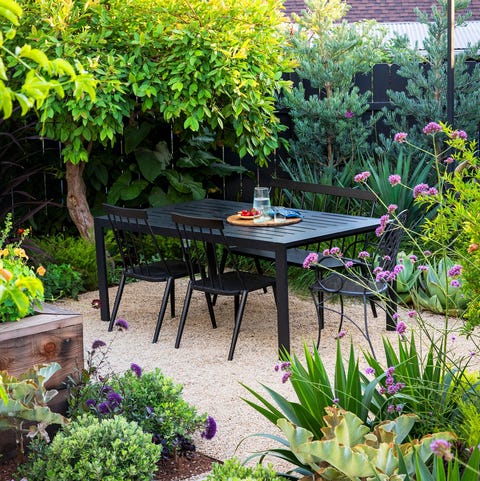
[4, 253]
[41, 270]
[19, 252]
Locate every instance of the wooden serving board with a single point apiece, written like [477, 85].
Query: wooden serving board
[236, 220]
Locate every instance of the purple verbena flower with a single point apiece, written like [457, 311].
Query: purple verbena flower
[121, 324]
[459, 134]
[392, 208]
[335, 400]
[97, 344]
[369, 370]
[442, 449]
[400, 137]
[210, 428]
[394, 179]
[335, 251]
[348, 264]
[136, 369]
[362, 177]
[363, 255]
[422, 268]
[341, 334]
[420, 189]
[431, 128]
[399, 408]
[286, 376]
[390, 408]
[448, 160]
[401, 328]
[349, 114]
[455, 283]
[310, 259]
[413, 258]
[455, 271]
[412, 313]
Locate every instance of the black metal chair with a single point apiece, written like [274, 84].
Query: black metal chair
[142, 259]
[361, 279]
[203, 243]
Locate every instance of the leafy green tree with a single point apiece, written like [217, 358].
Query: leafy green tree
[43, 77]
[329, 125]
[200, 66]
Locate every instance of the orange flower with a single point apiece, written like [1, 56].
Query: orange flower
[6, 274]
[41, 270]
[472, 248]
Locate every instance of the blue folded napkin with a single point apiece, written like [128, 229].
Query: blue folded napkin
[288, 213]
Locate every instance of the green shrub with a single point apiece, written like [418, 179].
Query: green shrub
[232, 470]
[75, 251]
[90, 449]
[62, 280]
[150, 399]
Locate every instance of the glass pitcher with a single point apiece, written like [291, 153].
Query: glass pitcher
[261, 202]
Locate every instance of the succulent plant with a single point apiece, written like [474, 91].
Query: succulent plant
[350, 450]
[407, 278]
[435, 292]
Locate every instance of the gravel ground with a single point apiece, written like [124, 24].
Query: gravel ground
[211, 383]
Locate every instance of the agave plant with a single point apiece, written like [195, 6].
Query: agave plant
[408, 277]
[435, 292]
[350, 450]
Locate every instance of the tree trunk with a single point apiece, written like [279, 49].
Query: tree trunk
[77, 204]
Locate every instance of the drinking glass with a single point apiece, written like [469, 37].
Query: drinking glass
[261, 202]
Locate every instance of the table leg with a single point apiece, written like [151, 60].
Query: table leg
[283, 326]
[102, 272]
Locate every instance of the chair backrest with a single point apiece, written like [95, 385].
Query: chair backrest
[389, 242]
[136, 242]
[327, 198]
[203, 242]
[322, 197]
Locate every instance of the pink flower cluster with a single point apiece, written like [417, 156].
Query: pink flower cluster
[394, 179]
[362, 177]
[423, 190]
[459, 134]
[455, 271]
[386, 275]
[284, 366]
[383, 224]
[312, 258]
[333, 251]
[392, 387]
[432, 128]
[400, 137]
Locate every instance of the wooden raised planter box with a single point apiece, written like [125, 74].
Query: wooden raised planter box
[52, 335]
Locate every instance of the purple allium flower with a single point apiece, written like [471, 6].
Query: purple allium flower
[455, 283]
[369, 370]
[448, 160]
[441, 448]
[459, 134]
[286, 376]
[341, 334]
[114, 399]
[90, 403]
[210, 428]
[455, 271]
[121, 324]
[136, 369]
[431, 128]
[362, 177]
[400, 137]
[401, 328]
[348, 264]
[422, 268]
[412, 313]
[310, 259]
[349, 114]
[392, 208]
[363, 255]
[104, 407]
[394, 179]
[97, 344]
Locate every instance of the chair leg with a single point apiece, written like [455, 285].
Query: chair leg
[342, 314]
[116, 304]
[318, 301]
[183, 317]
[166, 295]
[172, 299]
[374, 308]
[367, 333]
[238, 322]
[221, 268]
[210, 309]
[259, 269]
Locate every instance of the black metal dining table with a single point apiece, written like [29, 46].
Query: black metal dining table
[314, 227]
